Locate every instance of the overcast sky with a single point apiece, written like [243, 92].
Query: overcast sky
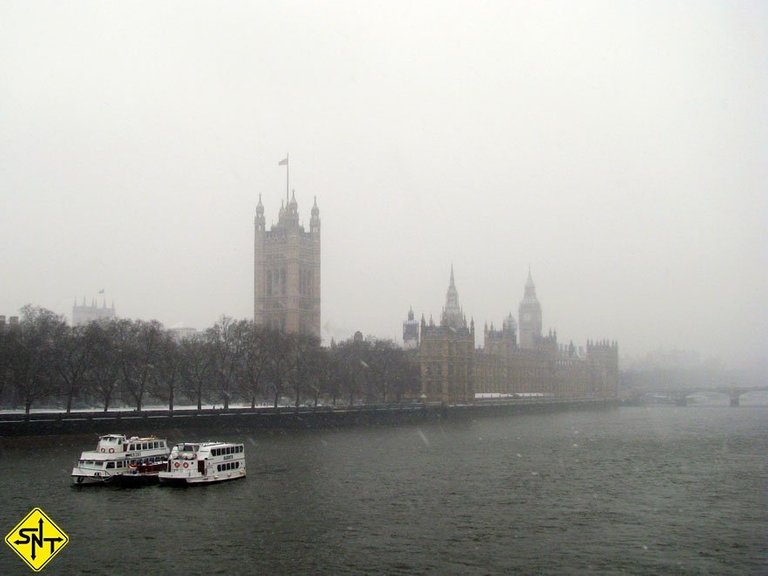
[619, 149]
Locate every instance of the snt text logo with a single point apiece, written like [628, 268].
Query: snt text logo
[36, 539]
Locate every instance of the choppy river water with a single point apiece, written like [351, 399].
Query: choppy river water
[658, 490]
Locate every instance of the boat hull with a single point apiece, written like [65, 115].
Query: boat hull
[176, 480]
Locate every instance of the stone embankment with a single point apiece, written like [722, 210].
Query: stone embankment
[282, 418]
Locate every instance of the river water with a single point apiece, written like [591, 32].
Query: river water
[658, 490]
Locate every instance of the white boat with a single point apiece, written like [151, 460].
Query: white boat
[120, 459]
[204, 462]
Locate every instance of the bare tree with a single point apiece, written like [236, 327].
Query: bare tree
[352, 356]
[331, 374]
[282, 362]
[103, 372]
[138, 344]
[196, 368]
[31, 354]
[167, 373]
[72, 358]
[305, 372]
[255, 360]
[227, 342]
[5, 358]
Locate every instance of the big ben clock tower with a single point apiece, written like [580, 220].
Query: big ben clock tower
[529, 316]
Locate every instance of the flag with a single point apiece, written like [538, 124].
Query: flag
[283, 162]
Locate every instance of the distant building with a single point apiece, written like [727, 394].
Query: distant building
[13, 322]
[83, 314]
[453, 371]
[287, 271]
[411, 332]
[183, 333]
[529, 313]
[446, 353]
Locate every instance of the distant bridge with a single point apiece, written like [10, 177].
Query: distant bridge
[680, 396]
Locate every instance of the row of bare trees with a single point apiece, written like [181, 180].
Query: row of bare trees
[43, 361]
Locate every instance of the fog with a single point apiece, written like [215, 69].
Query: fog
[618, 149]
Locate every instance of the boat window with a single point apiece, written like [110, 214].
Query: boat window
[110, 464]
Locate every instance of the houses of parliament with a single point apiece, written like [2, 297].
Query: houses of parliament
[454, 371]
[510, 362]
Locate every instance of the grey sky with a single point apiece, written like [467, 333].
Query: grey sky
[618, 148]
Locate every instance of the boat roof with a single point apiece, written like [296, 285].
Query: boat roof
[131, 439]
[209, 444]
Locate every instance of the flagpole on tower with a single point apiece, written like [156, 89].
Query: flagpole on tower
[284, 162]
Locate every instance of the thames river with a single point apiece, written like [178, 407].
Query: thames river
[657, 490]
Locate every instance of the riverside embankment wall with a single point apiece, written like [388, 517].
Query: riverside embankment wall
[244, 419]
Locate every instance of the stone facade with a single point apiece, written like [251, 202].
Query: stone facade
[446, 354]
[453, 371]
[530, 317]
[13, 323]
[287, 271]
[411, 332]
[83, 314]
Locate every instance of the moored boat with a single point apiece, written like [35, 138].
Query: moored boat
[204, 462]
[119, 459]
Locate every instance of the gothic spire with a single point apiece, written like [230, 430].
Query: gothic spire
[530, 288]
[452, 313]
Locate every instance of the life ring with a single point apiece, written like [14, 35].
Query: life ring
[102, 449]
[186, 464]
[176, 464]
[111, 450]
